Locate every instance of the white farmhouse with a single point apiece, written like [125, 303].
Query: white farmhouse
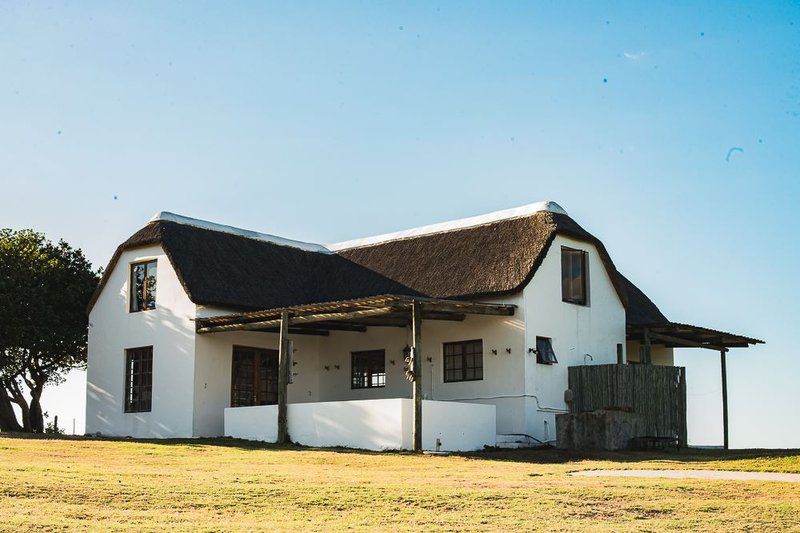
[454, 336]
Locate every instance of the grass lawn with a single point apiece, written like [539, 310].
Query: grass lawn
[227, 484]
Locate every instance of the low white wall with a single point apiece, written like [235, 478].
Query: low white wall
[365, 424]
[458, 426]
[370, 424]
[259, 422]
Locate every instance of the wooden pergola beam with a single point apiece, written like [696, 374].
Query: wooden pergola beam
[299, 331]
[469, 307]
[303, 319]
[684, 342]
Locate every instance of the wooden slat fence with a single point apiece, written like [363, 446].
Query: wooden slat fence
[656, 392]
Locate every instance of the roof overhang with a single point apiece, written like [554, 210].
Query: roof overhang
[350, 315]
[677, 335]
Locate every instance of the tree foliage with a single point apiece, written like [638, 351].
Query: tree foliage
[44, 290]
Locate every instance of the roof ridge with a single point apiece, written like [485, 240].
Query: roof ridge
[451, 225]
[166, 216]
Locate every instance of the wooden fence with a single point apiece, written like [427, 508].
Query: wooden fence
[656, 392]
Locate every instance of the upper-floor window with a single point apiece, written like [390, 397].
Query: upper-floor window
[368, 369]
[463, 361]
[574, 286]
[138, 379]
[143, 286]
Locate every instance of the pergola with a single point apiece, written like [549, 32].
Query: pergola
[351, 315]
[677, 335]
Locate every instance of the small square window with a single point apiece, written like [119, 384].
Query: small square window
[368, 369]
[463, 361]
[544, 351]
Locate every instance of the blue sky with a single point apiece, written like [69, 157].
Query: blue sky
[670, 132]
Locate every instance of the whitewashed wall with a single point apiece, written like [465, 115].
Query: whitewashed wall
[213, 366]
[192, 374]
[369, 424]
[168, 328]
[503, 382]
[593, 329]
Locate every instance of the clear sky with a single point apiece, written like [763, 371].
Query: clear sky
[670, 132]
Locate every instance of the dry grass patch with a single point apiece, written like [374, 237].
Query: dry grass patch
[232, 485]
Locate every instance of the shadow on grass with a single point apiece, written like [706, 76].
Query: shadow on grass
[222, 442]
[544, 455]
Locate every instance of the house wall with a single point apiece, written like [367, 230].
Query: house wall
[660, 355]
[192, 374]
[212, 374]
[503, 374]
[168, 328]
[322, 370]
[575, 330]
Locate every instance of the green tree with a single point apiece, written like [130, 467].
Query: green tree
[44, 290]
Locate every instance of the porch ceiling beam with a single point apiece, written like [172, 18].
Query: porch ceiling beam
[684, 342]
[303, 319]
[300, 331]
[338, 326]
[432, 315]
[468, 307]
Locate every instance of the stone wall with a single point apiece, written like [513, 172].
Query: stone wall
[598, 430]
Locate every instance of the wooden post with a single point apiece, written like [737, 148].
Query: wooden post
[283, 378]
[647, 348]
[724, 371]
[683, 430]
[416, 368]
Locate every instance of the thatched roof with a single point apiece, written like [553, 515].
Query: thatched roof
[640, 309]
[495, 258]
[492, 259]
[227, 270]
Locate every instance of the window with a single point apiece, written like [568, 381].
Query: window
[254, 377]
[463, 361]
[138, 379]
[544, 351]
[368, 369]
[143, 286]
[573, 276]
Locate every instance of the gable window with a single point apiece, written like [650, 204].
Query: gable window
[463, 361]
[544, 351]
[138, 379]
[254, 377]
[143, 286]
[368, 369]
[573, 276]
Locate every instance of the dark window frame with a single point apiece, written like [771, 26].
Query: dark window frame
[574, 290]
[549, 355]
[138, 380]
[363, 371]
[263, 391]
[147, 305]
[461, 351]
